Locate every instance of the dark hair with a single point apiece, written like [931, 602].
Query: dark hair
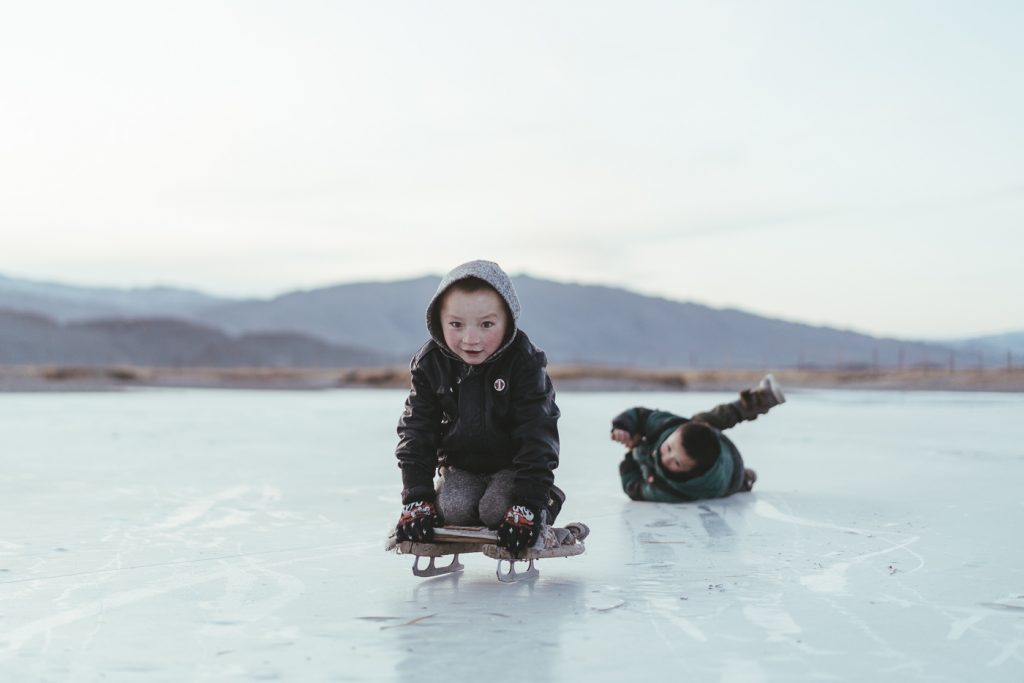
[701, 443]
[469, 285]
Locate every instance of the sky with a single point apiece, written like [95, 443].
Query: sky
[858, 164]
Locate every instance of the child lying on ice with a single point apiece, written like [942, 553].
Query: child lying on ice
[674, 459]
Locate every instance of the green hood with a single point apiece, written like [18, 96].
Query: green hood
[712, 484]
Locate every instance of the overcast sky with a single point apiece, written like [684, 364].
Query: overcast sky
[857, 164]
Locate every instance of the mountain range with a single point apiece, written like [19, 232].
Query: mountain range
[381, 323]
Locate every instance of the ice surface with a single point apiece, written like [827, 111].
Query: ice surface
[229, 536]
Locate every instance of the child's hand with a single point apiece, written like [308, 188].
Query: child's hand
[417, 522]
[625, 438]
[519, 530]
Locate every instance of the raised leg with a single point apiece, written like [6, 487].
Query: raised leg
[752, 402]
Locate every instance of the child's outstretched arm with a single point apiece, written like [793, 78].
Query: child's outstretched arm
[625, 438]
[628, 426]
[640, 423]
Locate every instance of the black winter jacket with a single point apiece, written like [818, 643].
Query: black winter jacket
[480, 418]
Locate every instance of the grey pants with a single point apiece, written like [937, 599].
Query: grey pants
[468, 499]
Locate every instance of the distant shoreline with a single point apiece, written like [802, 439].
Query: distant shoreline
[565, 378]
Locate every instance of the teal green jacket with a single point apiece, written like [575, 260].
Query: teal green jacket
[644, 477]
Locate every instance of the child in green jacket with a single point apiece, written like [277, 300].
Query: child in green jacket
[673, 459]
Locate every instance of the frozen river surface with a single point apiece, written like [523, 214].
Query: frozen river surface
[232, 536]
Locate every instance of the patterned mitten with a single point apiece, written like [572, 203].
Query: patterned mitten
[417, 522]
[518, 531]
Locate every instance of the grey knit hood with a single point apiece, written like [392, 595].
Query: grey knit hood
[491, 273]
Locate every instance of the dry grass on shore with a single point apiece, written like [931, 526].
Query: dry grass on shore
[565, 377]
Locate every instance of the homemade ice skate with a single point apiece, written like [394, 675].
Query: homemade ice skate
[459, 540]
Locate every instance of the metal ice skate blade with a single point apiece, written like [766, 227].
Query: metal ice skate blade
[512, 576]
[432, 570]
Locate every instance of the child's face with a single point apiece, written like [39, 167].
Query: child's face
[474, 323]
[673, 456]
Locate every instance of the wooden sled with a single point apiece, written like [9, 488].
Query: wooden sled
[460, 540]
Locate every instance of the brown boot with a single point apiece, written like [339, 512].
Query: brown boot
[761, 399]
[749, 477]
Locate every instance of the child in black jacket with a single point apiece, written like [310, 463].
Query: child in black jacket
[482, 413]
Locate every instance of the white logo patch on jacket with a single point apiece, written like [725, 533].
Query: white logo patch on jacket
[499, 384]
